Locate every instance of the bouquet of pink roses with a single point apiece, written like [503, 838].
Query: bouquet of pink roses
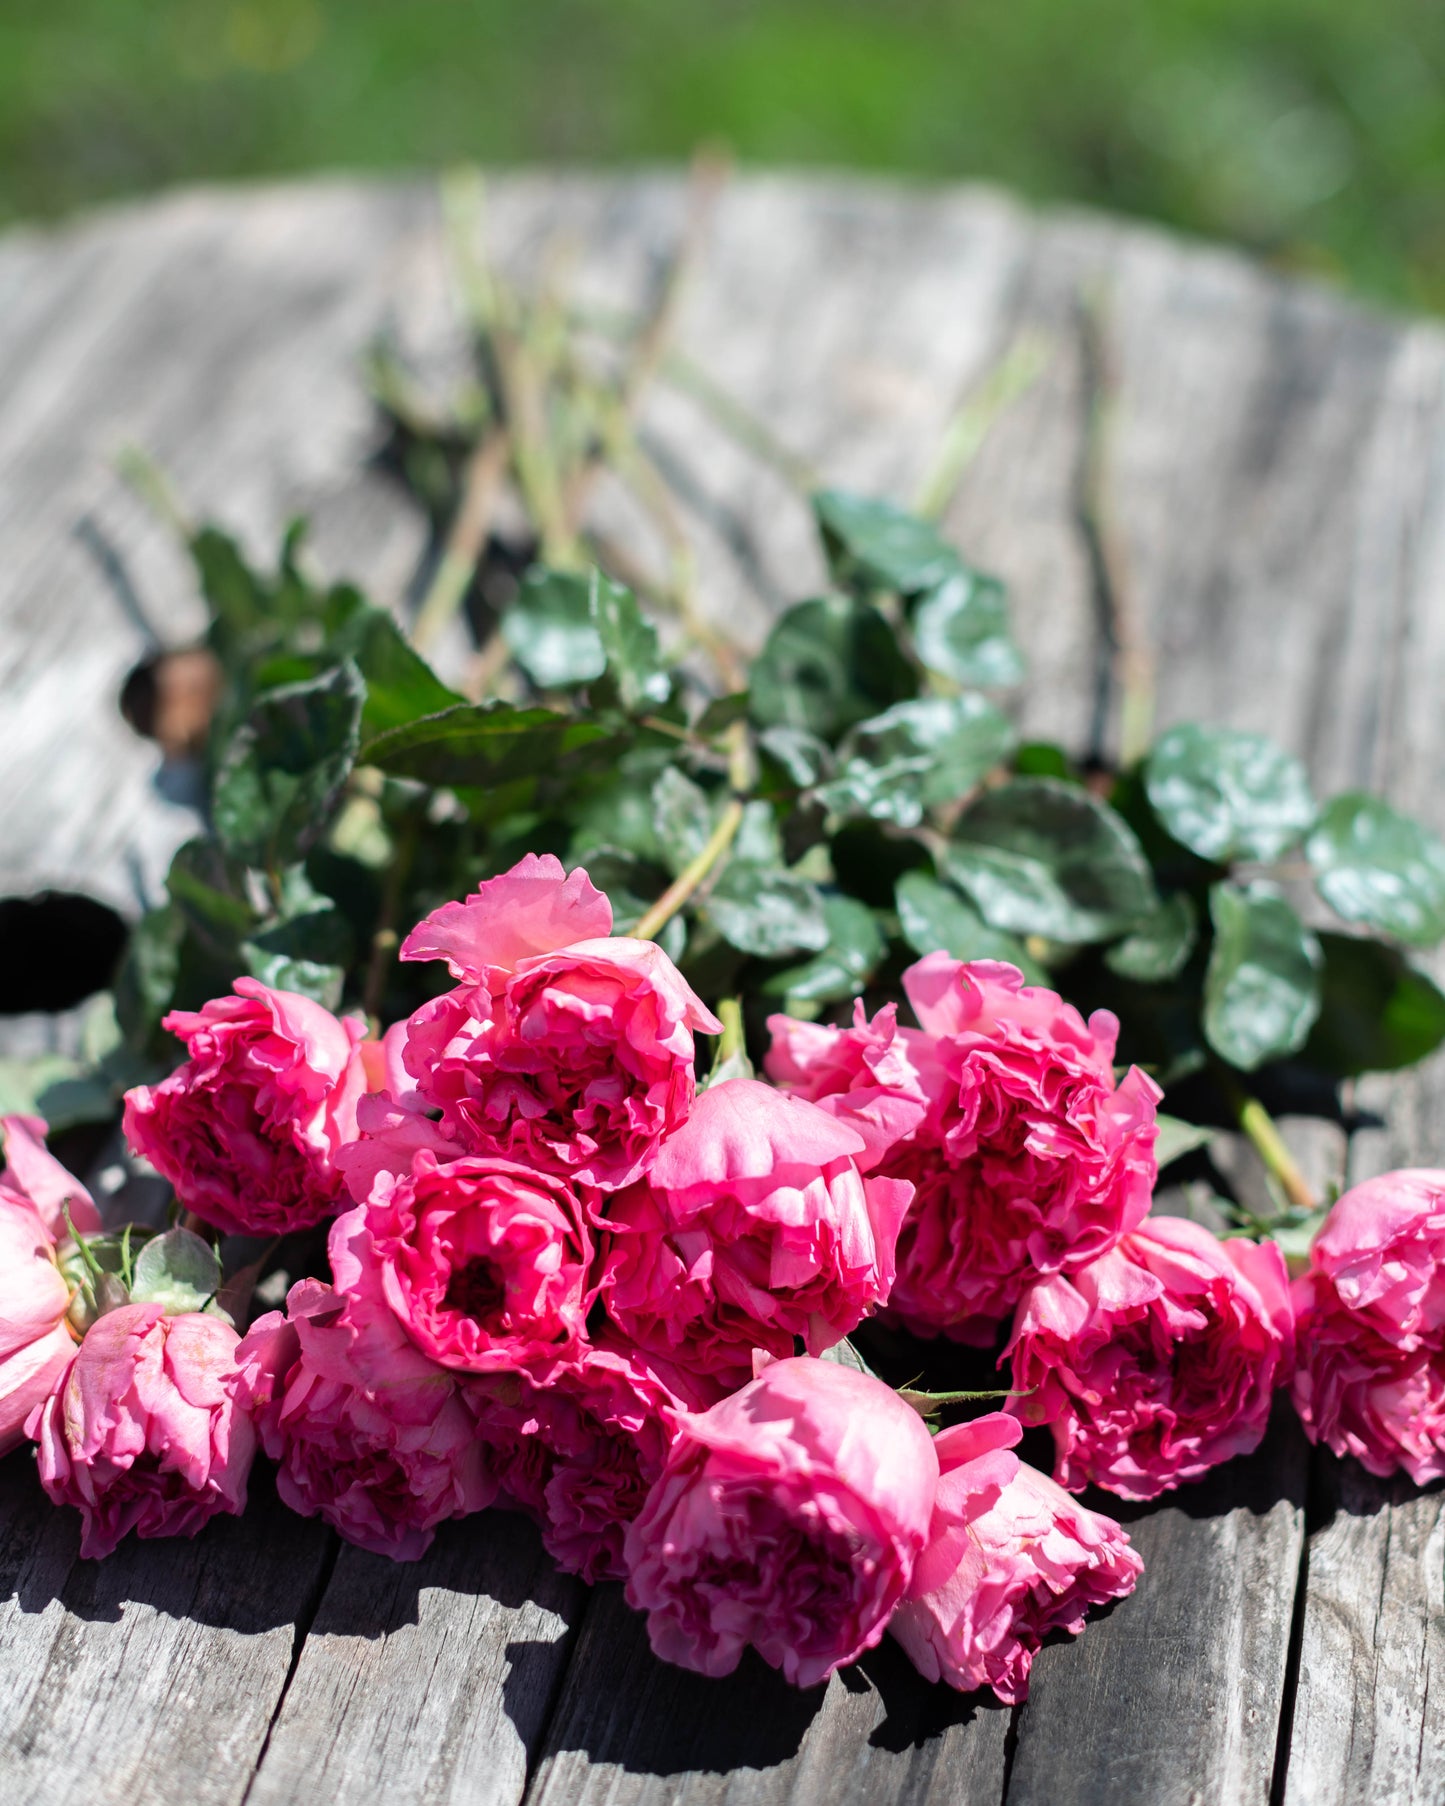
[536, 1246]
[563, 1279]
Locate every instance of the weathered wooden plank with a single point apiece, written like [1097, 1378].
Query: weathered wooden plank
[148, 1679]
[631, 1731]
[1369, 1711]
[1368, 1722]
[1174, 1696]
[427, 1680]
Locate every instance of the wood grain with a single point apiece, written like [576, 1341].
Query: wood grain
[430, 1680]
[1175, 1696]
[631, 1731]
[148, 1679]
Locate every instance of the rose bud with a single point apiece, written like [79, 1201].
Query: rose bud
[1029, 1159]
[579, 1452]
[1370, 1379]
[141, 1433]
[995, 1582]
[562, 1047]
[248, 1129]
[487, 1264]
[788, 1517]
[1158, 1360]
[366, 1431]
[754, 1227]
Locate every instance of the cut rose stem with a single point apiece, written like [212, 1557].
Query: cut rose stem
[742, 772]
[692, 874]
[1269, 1144]
[467, 539]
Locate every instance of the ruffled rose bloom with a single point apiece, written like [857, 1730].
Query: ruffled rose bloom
[1027, 1160]
[788, 1517]
[754, 1227]
[367, 1432]
[248, 1129]
[996, 1581]
[36, 1344]
[1158, 1360]
[141, 1434]
[487, 1265]
[562, 1047]
[580, 1451]
[1370, 1381]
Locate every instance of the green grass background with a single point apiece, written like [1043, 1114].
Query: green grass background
[1312, 131]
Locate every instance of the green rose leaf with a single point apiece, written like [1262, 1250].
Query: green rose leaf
[1038, 856]
[400, 685]
[1228, 795]
[1372, 864]
[916, 754]
[682, 818]
[1159, 947]
[933, 918]
[1176, 1138]
[177, 1271]
[1377, 1012]
[855, 947]
[761, 910]
[209, 890]
[874, 544]
[487, 745]
[549, 630]
[284, 769]
[629, 643]
[961, 630]
[720, 714]
[308, 953]
[1262, 986]
[803, 758]
[828, 664]
[145, 986]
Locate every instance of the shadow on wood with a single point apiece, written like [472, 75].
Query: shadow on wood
[249, 1575]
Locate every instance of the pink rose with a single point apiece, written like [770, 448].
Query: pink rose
[1028, 1158]
[141, 1433]
[994, 1583]
[33, 1171]
[790, 1517]
[1371, 1327]
[487, 1264]
[248, 1129]
[36, 1344]
[580, 1451]
[367, 1432]
[754, 1227]
[561, 1047]
[1158, 1360]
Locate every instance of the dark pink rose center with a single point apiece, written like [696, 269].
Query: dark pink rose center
[477, 1290]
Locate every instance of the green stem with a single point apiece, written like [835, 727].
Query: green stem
[730, 1014]
[1269, 1144]
[1015, 372]
[466, 541]
[692, 874]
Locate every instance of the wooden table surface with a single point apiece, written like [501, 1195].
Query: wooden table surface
[1277, 475]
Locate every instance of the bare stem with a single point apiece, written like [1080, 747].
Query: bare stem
[1132, 660]
[692, 874]
[730, 1014]
[467, 539]
[1269, 1144]
[1015, 372]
